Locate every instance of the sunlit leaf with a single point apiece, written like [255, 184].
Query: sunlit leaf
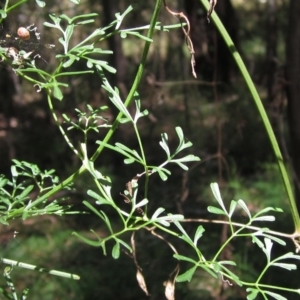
[164, 143]
[142, 203]
[285, 266]
[257, 241]
[198, 234]
[264, 218]
[162, 174]
[120, 17]
[185, 235]
[233, 205]
[244, 207]
[40, 3]
[267, 209]
[216, 192]
[275, 295]
[157, 213]
[268, 248]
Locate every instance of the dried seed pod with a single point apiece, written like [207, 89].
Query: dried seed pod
[23, 33]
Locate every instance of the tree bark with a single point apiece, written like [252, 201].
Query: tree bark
[293, 87]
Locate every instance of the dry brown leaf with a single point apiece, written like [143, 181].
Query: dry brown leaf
[169, 290]
[141, 282]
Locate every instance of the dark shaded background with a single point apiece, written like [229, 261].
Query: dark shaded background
[216, 113]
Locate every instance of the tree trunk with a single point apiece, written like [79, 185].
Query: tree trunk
[293, 87]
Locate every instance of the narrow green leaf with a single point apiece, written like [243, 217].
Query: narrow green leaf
[257, 241]
[184, 258]
[3, 182]
[47, 24]
[128, 150]
[185, 235]
[275, 239]
[85, 22]
[25, 192]
[88, 241]
[267, 209]
[57, 93]
[162, 174]
[289, 255]
[268, 248]
[142, 203]
[186, 276]
[233, 276]
[164, 143]
[121, 17]
[129, 161]
[208, 270]
[227, 262]
[180, 134]
[107, 221]
[233, 205]
[285, 266]
[216, 210]
[275, 295]
[157, 213]
[125, 245]
[116, 250]
[171, 217]
[99, 198]
[40, 3]
[198, 234]
[66, 118]
[265, 218]
[253, 293]
[216, 192]
[187, 158]
[93, 209]
[184, 167]
[244, 207]
[137, 34]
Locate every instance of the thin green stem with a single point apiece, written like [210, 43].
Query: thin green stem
[262, 112]
[146, 168]
[233, 235]
[135, 85]
[136, 81]
[50, 104]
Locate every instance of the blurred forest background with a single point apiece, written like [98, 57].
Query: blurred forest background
[215, 111]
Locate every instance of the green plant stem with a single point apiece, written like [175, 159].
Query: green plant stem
[134, 87]
[50, 104]
[136, 81]
[146, 168]
[262, 112]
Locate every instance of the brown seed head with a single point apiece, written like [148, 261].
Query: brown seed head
[23, 33]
